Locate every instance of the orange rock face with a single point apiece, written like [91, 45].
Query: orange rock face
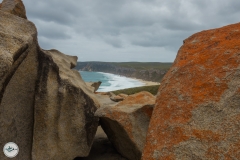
[197, 112]
[15, 7]
[126, 123]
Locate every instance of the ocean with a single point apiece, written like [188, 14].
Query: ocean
[110, 82]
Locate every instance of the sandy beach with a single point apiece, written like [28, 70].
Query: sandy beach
[148, 83]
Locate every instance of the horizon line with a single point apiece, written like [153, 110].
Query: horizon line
[125, 62]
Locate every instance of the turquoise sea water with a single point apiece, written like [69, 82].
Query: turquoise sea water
[110, 82]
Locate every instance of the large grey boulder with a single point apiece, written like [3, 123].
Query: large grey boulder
[64, 125]
[45, 107]
[18, 76]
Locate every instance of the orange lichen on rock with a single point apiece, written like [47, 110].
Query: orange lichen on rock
[139, 98]
[199, 94]
[206, 135]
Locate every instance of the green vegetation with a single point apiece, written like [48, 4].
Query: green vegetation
[129, 91]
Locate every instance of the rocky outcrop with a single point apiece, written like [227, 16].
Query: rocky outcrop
[127, 122]
[64, 122]
[197, 109]
[94, 85]
[15, 7]
[45, 107]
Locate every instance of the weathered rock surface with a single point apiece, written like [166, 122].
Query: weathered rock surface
[18, 76]
[197, 112]
[64, 125]
[45, 107]
[15, 7]
[126, 123]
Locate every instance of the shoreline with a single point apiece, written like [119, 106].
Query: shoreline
[147, 83]
[118, 80]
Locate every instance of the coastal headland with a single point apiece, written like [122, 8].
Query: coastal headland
[147, 71]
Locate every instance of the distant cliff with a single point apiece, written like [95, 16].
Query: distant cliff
[150, 71]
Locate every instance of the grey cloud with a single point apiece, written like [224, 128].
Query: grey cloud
[171, 41]
[52, 16]
[139, 27]
[55, 34]
[54, 11]
[181, 24]
[115, 42]
[51, 30]
[45, 43]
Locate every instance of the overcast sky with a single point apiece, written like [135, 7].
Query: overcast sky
[125, 30]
